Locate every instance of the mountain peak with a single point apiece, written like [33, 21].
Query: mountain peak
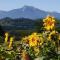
[28, 8]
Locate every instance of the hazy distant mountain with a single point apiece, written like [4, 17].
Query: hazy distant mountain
[28, 12]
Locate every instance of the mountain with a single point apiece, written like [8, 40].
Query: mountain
[27, 12]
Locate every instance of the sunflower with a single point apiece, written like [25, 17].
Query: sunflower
[6, 37]
[49, 23]
[33, 39]
[11, 41]
[53, 35]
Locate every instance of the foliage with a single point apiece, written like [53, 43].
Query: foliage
[37, 44]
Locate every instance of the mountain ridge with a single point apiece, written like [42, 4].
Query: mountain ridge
[27, 12]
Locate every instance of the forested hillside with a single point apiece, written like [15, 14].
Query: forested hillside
[23, 26]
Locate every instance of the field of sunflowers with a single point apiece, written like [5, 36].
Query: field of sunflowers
[36, 46]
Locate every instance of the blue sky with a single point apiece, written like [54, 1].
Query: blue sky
[47, 5]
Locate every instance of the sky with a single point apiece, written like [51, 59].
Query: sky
[47, 5]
